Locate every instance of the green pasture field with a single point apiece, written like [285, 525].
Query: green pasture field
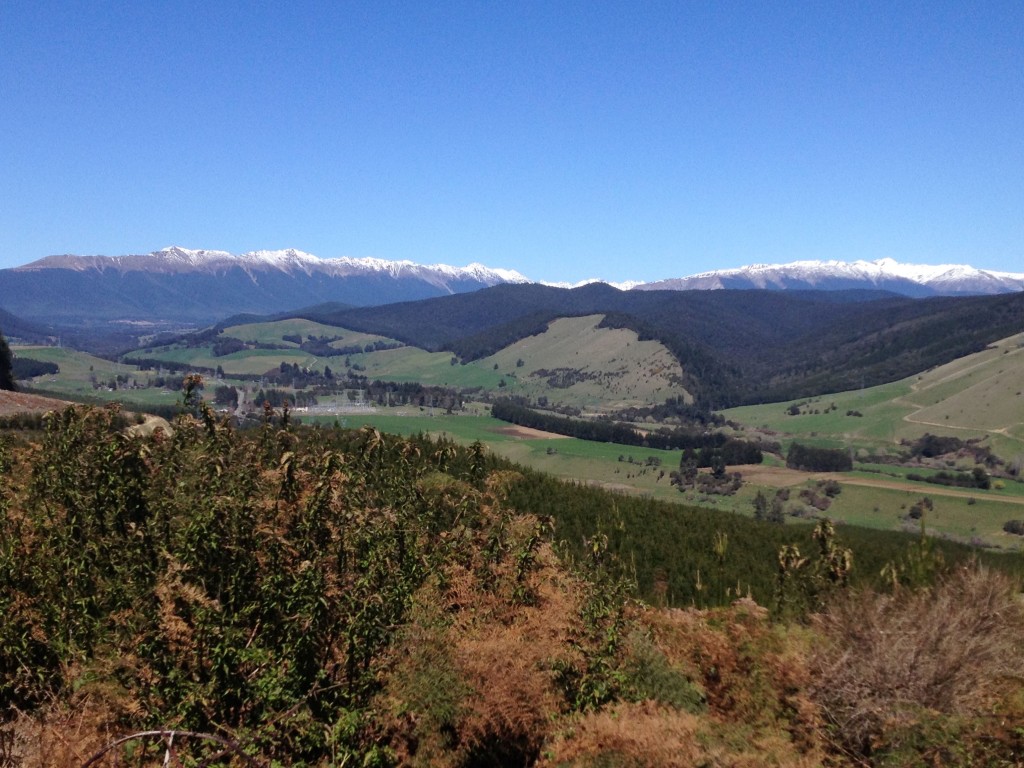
[978, 396]
[597, 463]
[259, 361]
[877, 427]
[274, 332]
[955, 515]
[76, 372]
[71, 362]
[966, 516]
[583, 461]
[411, 364]
[77, 369]
[250, 361]
[172, 354]
[404, 364]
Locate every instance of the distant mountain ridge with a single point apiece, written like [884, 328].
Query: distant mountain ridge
[201, 286]
[914, 280]
[178, 285]
[175, 260]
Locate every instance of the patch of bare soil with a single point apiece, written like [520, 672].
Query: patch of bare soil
[779, 477]
[528, 433]
[22, 402]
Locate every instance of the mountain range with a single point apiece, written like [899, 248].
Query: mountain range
[180, 285]
[193, 287]
[820, 326]
[914, 280]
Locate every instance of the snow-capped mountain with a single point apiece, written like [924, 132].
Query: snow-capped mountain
[177, 260]
[181, 285]
[205, 285]
[914, 280]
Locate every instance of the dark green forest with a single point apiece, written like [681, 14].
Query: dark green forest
[6, 365]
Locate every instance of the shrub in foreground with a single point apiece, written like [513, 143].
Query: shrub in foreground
[892, 662]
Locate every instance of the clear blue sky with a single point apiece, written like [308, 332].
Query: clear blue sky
[624, 140]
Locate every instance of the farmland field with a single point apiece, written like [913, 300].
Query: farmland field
[274, 332]
[978, 396]
[574, 363]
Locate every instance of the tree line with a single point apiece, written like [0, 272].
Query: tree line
[680, 438]
[6, 365]
[811, 459]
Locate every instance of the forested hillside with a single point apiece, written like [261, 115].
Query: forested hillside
[15, 327]
[735, 346]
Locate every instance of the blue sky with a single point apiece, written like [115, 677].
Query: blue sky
[567, 140]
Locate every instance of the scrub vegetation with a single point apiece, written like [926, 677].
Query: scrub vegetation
[320, 596]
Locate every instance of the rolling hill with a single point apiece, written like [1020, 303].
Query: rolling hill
[979, 396]
[735, 347]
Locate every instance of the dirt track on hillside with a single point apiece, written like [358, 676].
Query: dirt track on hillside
[781, 477]
[930, 490]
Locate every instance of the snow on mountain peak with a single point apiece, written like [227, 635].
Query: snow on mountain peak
[880, 274]
[885, 273]
[190, 256]
[176, 259]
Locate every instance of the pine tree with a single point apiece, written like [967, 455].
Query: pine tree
[6, 374]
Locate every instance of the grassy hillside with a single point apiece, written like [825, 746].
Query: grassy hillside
[577, 362]
[79, 372]
[979, 393]
[573, 362]
[978, 396]
[259, 359]
[274, 332]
